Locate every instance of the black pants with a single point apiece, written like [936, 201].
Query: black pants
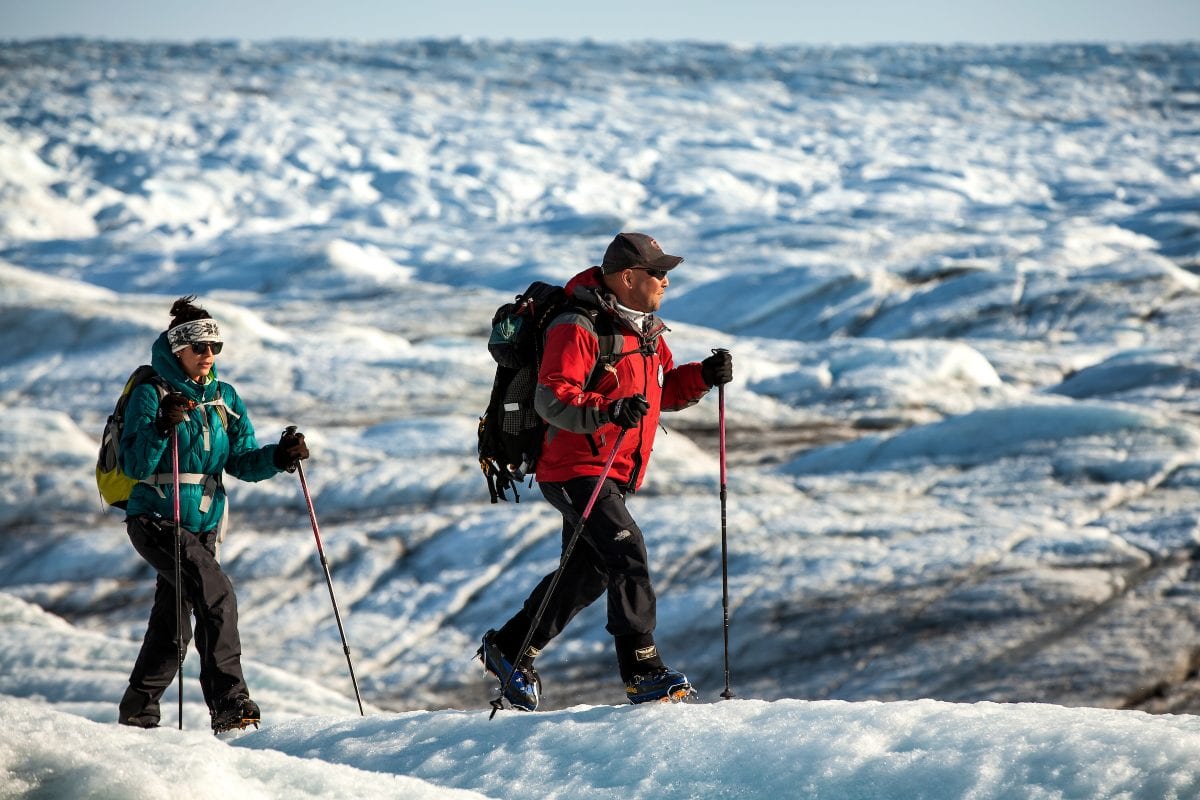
[610, 556]
[208, 595]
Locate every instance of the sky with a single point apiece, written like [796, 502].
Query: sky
[748, 21]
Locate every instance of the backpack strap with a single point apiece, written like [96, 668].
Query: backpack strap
[211, 484]
[160, 385]
[223, 409]
[610, 342]
[218, 402]
[224, 412]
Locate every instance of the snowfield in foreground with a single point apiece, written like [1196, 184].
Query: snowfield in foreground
[62, 743]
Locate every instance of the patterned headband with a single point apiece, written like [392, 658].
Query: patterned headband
[200, 330]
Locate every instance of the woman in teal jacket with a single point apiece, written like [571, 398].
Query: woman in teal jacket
[215, 436]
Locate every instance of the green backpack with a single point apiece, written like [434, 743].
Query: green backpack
[115, 486]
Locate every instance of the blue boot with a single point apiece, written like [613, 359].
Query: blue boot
[664, 685]
[525, 686]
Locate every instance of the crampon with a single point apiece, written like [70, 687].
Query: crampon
[663, 686]
[237, 714]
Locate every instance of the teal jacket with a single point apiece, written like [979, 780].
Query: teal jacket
[206, 447]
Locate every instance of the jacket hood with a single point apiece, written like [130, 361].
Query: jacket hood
[587, 288]
[167, 366]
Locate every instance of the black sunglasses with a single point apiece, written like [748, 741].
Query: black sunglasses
[200, 348]
[657, 274]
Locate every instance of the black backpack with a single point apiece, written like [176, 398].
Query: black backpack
[510, 431]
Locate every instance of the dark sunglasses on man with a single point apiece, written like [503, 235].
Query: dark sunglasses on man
[201, 348]
[657, 274]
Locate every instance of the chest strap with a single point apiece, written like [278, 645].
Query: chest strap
[224, 412]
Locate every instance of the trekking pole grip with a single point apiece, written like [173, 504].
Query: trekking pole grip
[721, 419]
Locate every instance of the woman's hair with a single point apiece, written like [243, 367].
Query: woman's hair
[182, 310]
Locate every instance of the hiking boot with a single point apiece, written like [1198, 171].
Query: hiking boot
[138, 709]
[664, 685]
[139, 722]
[235, 713]
[524, 687]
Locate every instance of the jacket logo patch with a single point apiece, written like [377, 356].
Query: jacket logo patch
[622, 535]
[660, 376]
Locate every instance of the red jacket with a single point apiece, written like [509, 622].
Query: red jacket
[580, 437]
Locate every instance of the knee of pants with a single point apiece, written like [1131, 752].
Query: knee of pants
[209, 588]
[163, 620]
[223, 596]
[625, 552]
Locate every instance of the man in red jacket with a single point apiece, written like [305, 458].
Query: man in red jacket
[588, 394]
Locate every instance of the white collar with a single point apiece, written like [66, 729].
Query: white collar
[638, 318]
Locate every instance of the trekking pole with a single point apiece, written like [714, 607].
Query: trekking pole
[312, 515]
[497, 704]
[178, 571]
[728, 693]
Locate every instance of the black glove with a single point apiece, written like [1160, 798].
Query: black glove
[172, 410]
[290, 450]
[717, 369]
[628, 411]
